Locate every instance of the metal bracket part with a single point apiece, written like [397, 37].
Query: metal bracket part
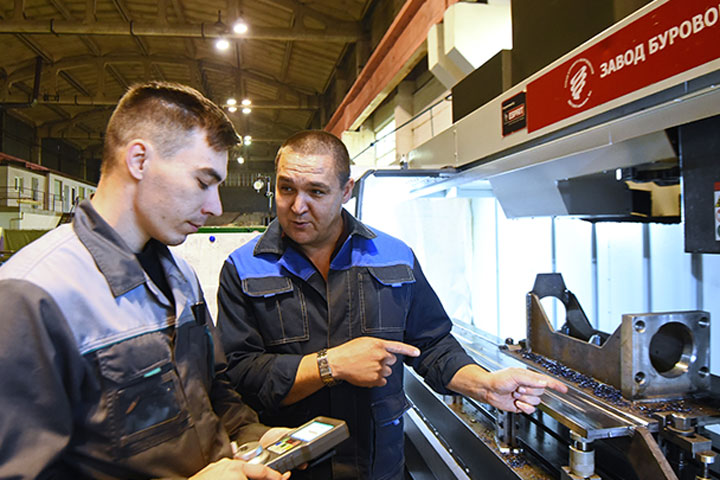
[650, 356]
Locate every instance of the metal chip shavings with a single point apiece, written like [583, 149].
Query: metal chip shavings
[602, 390]
[515, 460]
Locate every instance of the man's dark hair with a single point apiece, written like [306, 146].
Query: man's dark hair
[319, 142]
[165, 113]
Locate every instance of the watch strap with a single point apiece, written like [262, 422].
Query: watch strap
[324, 368]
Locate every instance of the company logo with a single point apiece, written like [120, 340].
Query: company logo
[515, 113]
[577, 82]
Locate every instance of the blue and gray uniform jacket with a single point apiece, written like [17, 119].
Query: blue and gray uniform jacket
[275, 307]
[100, 376]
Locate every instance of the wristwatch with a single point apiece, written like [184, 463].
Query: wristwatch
[325, 370]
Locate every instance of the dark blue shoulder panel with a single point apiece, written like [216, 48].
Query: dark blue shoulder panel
[358, 251]
[381, 251]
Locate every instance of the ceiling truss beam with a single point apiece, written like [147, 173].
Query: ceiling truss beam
[26, 71]
[154, 29]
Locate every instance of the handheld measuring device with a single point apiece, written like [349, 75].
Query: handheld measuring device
[305, 443]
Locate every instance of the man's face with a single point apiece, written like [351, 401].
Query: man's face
[178, 193]
[309, 199]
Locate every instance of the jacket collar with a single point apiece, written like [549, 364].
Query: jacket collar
[273, 241]
[113, 257]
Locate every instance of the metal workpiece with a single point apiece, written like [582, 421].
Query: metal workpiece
[650, 356]
[665, 355]
[577, 410]
[576, 435]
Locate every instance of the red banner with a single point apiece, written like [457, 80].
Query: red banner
[672, 38]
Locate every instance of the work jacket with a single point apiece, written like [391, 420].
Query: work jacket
[275, 307]
[100, 376]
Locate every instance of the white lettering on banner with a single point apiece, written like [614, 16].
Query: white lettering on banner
[637, 55]
[687, 28]
[630, 57]
[698, 23]
[714, 12]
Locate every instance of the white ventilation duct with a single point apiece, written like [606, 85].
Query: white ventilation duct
[471, 34]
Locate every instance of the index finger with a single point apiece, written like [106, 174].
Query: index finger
[401, 348]
[538, 380]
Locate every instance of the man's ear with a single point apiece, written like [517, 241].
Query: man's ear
[137, 156]
[347, 190]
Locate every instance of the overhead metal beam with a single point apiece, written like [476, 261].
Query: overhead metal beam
[203, 30]
[300, 10]
[25, 70]
[72, 134]
[398, 51]
[190, 47]
[89, 42]
[125, 14]
[102, 100]
[112, 69]
[81, 126]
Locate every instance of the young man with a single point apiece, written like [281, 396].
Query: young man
[108, 363]
[318, 314]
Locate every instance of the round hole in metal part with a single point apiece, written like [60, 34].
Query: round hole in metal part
[554, 310]
[639, 326]
[704, 322]
[671, 349]
[640, 378]
[703, 372]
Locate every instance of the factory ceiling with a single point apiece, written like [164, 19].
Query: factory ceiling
[65, 63]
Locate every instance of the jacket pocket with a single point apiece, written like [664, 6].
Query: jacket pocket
[388, 433]
[384, 298]
[145, 401]
[279, 306]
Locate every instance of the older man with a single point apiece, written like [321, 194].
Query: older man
[316, 313]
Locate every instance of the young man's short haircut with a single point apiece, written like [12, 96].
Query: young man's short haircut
[319, 142]
[165, 113]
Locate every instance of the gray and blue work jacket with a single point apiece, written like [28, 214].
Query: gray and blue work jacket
[100, 376]
[275, 307]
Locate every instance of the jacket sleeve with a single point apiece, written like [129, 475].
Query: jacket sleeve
[263, 378]
[428, 328]
[240, 421]
[40, 373]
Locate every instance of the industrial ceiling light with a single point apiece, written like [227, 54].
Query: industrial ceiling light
[240, 27]
[247, 139]
[231, 101]
[246, 102]
[232, 109]
[240, 159]
[246, 110]
[258, 184]
[222, 44]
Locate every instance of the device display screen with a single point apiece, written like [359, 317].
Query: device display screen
[311, 432]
